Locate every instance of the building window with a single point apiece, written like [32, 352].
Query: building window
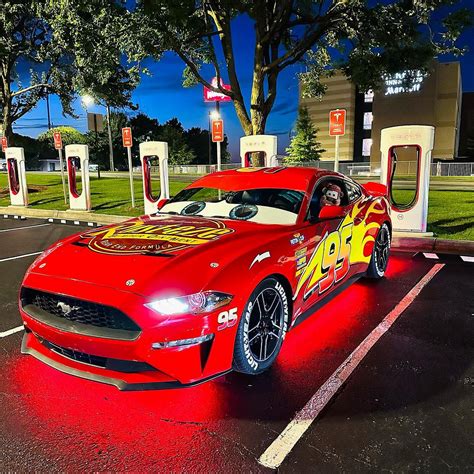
[366, 146]
[369, 96]
[368, 118]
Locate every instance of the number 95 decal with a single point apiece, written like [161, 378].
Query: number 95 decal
[227, 319]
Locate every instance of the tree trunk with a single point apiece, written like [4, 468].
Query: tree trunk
[7, 123]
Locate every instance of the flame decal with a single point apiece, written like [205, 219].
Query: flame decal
[351, 243]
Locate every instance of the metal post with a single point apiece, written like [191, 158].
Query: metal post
[109, 131]
[60, 151]
[130, 172]
[209, 136]
[218, 143]
[49, 113]
[336, 155]
[96, 145]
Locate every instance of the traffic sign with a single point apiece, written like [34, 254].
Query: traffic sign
[337, 122]
[4, 144]
[218, 130]
[58, 142]
[127, 139]
[211, 96]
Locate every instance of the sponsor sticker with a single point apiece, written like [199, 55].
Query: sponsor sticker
[297, 239]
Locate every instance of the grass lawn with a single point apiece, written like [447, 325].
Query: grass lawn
[450, 213]
[108, 195]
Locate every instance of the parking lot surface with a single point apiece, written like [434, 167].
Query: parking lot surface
[407, 405]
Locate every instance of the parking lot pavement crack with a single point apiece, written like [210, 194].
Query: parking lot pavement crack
[243, 450]
[181, 422]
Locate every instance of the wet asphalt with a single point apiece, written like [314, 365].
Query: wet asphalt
[408, 407]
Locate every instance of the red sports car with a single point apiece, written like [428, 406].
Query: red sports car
[211, 282]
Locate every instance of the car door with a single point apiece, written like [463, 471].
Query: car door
[327, 253]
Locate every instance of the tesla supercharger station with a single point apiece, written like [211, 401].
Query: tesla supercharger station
[77, 158]
[266, 144]
[418, 141]
[150, 152]
[15, 157]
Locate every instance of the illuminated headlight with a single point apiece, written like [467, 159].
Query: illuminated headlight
[197, 303]
[182, 342]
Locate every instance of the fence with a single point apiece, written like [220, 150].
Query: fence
[404, 168]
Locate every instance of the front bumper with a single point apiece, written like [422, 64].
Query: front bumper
[31, 345]
[128, 364]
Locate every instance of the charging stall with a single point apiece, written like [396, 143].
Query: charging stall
[400, 146]
[154, 154]
[266, 144]
[77, 160]
[15, 158]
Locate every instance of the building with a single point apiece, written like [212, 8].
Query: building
[50, 164]
[433, 99]
[466, 136]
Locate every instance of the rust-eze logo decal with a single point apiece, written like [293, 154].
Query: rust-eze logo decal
[139, 237]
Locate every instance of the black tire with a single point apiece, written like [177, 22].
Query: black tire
[262, 328]
[380, 254]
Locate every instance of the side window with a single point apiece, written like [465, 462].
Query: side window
[353, 191]
[321, 196]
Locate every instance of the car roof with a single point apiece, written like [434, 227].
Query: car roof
[282, 177]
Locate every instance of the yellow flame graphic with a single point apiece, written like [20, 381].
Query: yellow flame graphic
[355, 225]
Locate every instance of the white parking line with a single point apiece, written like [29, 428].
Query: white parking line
[11, 331]
[276, 453]
[21, 228]
[20, 256]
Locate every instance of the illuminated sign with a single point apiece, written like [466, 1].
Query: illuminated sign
[402, 82]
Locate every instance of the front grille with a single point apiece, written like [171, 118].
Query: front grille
[77, 311]
[117, 365]
[76, 355]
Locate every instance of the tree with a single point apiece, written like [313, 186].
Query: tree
[198, 139]
[179, 151]
[26, 37]
[69, 136]
[304, 146]
[367, 39]
[99, 143]
[70, 46]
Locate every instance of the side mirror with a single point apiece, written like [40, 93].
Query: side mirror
[331, 212]
[162, 202]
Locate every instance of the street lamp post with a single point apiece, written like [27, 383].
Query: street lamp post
[88, 100]
[109, 132]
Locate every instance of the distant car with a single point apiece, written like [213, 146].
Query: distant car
[93, 167]
[211, 282]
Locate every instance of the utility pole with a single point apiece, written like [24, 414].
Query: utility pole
[109, 131]
[49, 113]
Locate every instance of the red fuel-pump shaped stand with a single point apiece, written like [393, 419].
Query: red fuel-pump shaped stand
[18, 187]
[266, 144]
[149, 152]
[413, 216]
[77, 158]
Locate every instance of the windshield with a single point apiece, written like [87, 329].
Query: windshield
[266, 206]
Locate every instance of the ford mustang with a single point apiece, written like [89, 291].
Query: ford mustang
[211, 282]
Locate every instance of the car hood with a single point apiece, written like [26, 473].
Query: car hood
[150, 254]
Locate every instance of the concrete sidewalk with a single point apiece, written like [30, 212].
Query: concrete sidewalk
[401, 241]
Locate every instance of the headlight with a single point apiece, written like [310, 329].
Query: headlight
[197, 303]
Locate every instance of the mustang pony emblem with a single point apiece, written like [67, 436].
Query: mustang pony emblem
[65, 308]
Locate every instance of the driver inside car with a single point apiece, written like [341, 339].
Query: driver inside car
[332, 195]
